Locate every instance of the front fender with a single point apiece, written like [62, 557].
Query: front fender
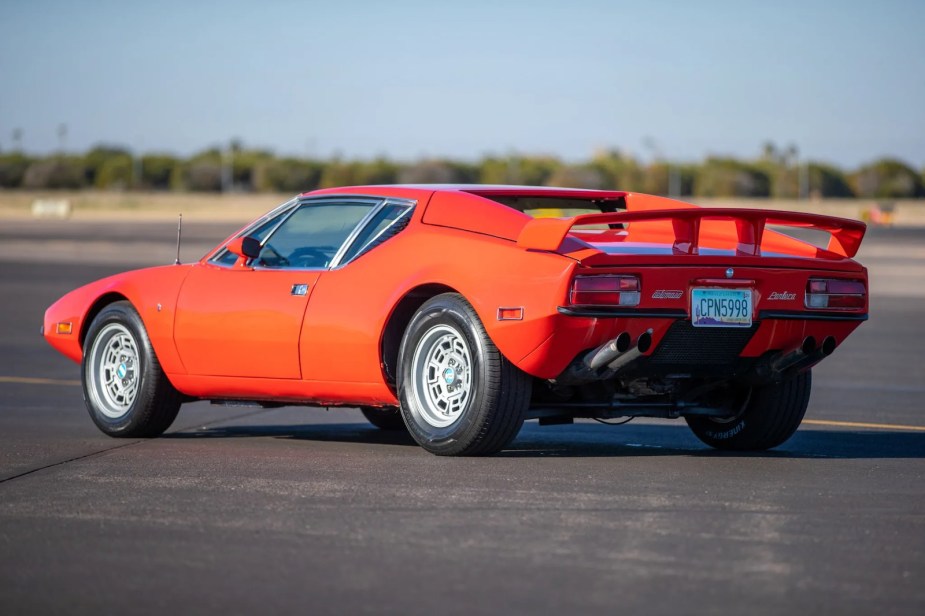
[152, 292]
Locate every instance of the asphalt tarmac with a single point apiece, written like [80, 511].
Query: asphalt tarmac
[306, 511]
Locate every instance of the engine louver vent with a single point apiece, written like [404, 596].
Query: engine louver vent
[702, 346]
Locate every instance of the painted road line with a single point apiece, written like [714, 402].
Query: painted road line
[28, 380]
[859, 424]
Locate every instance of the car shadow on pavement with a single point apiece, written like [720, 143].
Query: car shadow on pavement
[589, 440]
[655, 440]
[332, 432]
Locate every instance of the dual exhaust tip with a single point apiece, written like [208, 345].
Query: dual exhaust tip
[604, 361]
[809, 346]
[612, 356]
[807, 354]
[619, 351]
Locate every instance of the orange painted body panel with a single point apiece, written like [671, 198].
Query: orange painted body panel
[241, 322]
[350, 306]
[234, 332]
[153, 293]
[444, 208]
[576, 334]
[295, 391]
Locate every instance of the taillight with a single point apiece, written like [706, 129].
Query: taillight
[835, 294]
[605, 290]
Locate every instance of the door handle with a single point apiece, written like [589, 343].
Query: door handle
[299, 289]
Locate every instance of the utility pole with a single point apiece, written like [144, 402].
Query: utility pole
[137, 169]
[674, 180]
[62, 137]
[17, 140]
[227, 167]
[513, 168]
[803, 172]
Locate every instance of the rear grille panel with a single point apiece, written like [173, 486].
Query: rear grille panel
[699, 351]
[714, 346]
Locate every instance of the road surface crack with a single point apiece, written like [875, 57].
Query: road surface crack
[123, 445]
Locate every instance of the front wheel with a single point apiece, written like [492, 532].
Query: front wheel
[459, 395]
[125, 390]
[767, 418]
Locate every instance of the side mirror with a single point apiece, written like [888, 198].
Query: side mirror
[247, 247]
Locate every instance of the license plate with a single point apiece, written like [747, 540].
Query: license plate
[721, 307]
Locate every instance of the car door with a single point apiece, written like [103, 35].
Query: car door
[239, 318]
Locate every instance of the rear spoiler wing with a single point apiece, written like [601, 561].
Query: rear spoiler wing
[846, 235]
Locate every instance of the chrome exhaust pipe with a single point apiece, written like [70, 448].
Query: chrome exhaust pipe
[806, 356]
[607, 352]
[789, 359]
[642, 345]
[599, 364]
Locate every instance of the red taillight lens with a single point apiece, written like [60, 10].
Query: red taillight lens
[605, 290]
[835, 294]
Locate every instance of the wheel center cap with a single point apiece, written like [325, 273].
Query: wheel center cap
[121, 371]
[449, 375]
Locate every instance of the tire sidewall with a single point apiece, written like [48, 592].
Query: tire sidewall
[722, 432]
[442, 310]
[771, 416]
[123, 314]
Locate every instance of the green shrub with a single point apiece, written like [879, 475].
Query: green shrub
[13, 169]
[56, 173]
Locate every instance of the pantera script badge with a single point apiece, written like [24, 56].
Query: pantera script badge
[667, 294]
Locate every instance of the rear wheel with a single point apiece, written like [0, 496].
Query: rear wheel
[125, 390]
[768, 416]
[459, 395]
[385, 418]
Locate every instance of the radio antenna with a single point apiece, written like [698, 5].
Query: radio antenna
[179, 228]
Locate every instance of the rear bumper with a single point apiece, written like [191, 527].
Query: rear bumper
[798, 315]
[679, 347]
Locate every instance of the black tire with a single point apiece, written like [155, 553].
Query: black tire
[385, 418]
[474, 403]
[125, 390]
[769, 417]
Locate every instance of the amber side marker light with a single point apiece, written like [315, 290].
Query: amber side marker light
[510, 314]
[835, 294]
[64, 328]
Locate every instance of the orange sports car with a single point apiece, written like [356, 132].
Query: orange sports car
[459, 312]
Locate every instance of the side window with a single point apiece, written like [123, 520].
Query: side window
[225, 257]
[312, 235]
[387, 221]
[258, 230]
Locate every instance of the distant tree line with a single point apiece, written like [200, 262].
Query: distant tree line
[775, 173]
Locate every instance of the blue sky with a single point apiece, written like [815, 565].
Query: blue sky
[843, 81]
